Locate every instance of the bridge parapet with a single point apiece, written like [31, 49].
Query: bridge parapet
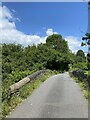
[18, 85]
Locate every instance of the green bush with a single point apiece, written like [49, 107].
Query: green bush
[13, 78]
[9, 104]
[79, 65]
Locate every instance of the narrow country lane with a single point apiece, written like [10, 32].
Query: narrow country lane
[58, 97]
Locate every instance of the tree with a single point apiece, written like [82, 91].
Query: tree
[80, 53]
[56, 42]
[88, 59]
[80, 56]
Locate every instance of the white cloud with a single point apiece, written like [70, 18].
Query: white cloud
[4, 24]
[15, 36]
[5, 13]
[50, 32]
[10, 34]
[73, 42]
[13, 11]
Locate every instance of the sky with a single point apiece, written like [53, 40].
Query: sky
[44, 0]
[29, 23]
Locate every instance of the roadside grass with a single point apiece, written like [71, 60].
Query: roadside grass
[23, 93]
[83, 86]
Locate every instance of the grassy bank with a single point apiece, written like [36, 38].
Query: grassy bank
[9, 104]
[83, 86]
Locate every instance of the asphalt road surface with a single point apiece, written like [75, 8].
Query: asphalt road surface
[58, 97]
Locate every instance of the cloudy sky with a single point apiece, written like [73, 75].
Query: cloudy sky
[30, 23]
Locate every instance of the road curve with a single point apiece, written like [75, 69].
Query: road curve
[58, 97]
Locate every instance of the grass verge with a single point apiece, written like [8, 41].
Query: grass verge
[23, 93]
[83, 86]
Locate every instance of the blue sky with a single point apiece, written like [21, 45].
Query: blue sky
[35, 19]
[65, 18]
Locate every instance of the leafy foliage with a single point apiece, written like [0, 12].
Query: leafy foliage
[19, 61]
[9, 104]
[11, 79]
[56, 42]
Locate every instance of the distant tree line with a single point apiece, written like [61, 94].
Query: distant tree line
[54, 55]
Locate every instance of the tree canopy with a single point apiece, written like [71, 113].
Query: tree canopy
[56, 42]
[54, 55]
